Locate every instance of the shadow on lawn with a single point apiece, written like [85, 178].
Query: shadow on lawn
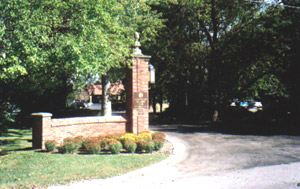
[22, 149]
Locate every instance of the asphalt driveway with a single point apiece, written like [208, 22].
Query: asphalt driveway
[215, 160]
[211, 153]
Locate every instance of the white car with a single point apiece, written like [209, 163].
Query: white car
[257, 104]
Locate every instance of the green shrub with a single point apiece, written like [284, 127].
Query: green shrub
[93, 147]
[77, 140]
[149, 147]
[84, 143]
[50, 145]
[158, 143]
[141, 145]
[130, 146]
[6, 116]
[70, 146]
[105, 143]
[115, 146]
[3, 152]
[68, 139]
[61, 149]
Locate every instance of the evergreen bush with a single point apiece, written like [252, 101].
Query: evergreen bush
[158, 143]
[130, 146]
[70, 146]
[50, 145]
[140, 145]
[115, 146]
[149, 147]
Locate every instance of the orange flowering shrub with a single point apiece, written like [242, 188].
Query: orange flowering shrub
[87, 141]
[113, 136]
[158, 135]
[145, 132]
[93, 147]
[144, 142]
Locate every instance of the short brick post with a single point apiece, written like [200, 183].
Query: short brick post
[41, 121]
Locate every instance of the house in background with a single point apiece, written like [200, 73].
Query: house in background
[95, 92]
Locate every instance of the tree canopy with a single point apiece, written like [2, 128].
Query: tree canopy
[206, 52]
[53, 45]
[212, 52]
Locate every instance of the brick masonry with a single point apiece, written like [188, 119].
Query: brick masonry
[137, 87]
[135, 121]
[46, 128]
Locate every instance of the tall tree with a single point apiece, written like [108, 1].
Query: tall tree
[213, 51]
[195, 37]
[52, 45]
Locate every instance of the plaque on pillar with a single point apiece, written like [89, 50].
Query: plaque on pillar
[140, 100]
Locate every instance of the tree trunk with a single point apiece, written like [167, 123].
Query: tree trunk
[215, 116]
[106, 103]
[215, 107]
[154, 103]
[161, 103]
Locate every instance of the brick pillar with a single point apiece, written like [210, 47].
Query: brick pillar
[41, 121]
[137, 88]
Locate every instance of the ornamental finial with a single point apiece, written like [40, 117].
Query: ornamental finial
[137, 44]
[137, 36]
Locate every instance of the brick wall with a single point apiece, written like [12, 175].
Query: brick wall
[46, 128]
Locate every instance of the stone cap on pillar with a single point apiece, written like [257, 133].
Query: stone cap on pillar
[43, 114]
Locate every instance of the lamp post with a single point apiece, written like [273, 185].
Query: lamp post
[3, 55]
[151, 74]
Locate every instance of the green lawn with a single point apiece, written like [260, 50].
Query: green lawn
[16, 139]
[25, 168]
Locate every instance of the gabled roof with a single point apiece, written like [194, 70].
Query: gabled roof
[115, 89]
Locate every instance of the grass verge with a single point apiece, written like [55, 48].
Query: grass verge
[21, 168]
[16, 139]
[29, 169]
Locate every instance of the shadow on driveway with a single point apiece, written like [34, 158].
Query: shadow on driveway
[213, 150]
[236, 129]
